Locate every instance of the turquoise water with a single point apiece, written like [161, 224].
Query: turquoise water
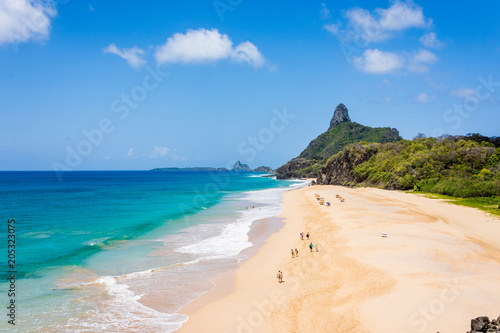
[107, 244]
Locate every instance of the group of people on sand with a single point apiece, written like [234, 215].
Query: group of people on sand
[311, 246]
[295, 253]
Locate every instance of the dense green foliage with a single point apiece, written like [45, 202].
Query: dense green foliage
[343, 134]
[450, 166]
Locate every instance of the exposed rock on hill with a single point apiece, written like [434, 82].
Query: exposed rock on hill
[238, 166]
[340, 115]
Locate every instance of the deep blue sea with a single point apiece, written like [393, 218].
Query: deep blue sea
[114, 251]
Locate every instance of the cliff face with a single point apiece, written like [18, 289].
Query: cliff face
[298, 168]
[338, 170]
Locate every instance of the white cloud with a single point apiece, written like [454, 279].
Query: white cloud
[130, 152]
[375, 61]
[159, 152]
[430, 40]
[378, 62]
[421, 60]
[402, 15]
[332, 28]
[247, 52]
[422, 97]
[132, 55]
[463, 92]
[362, 25]
[199, 46]
[325, 12]
[24, 20]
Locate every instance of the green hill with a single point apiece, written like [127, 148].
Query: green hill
[346, 133]
[454, 166]
[342, 132]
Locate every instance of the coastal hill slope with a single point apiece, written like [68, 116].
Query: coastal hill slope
[342, 132]
[459, 166]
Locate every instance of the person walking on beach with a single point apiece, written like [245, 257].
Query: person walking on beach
[293, 253]
[307, 235]
[296, 252]
[317, 248]
[301, 236]
[280, 276]
[311, 247]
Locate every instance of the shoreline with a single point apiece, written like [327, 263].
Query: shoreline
[358, 280]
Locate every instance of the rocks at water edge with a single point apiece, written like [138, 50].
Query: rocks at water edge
[483, 324]
[263, 169]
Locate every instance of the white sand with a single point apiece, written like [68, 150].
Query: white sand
[438, 268]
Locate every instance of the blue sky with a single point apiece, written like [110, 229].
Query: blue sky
[131, 85]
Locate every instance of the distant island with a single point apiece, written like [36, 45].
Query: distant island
[237, 167]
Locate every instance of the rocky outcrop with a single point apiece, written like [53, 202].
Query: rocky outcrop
[340, 115]
[263, 169]
[239, 167]
[483, 324]
[338, 170]
[293, 169]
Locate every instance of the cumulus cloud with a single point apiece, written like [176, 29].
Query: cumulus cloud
[375, 61]
[378, 62]
[421, 60]
[373, 27]
[247, 52]
[463, 92]
[132, 55]
[430, 40]
[24, 20]
[402, 15]
[200, 46]
[159, 152]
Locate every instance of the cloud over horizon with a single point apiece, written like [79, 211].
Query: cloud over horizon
[202, 46]
[24, 20]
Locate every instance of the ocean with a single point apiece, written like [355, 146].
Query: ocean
[123, 251]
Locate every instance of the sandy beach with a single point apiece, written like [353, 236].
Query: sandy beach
[438, 268]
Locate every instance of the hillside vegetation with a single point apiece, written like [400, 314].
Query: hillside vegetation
[454, 166]
[343, 134]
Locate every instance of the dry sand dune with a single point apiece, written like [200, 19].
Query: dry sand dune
[438, 268]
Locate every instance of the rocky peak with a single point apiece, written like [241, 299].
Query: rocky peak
[341, 115]
[238, 166]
